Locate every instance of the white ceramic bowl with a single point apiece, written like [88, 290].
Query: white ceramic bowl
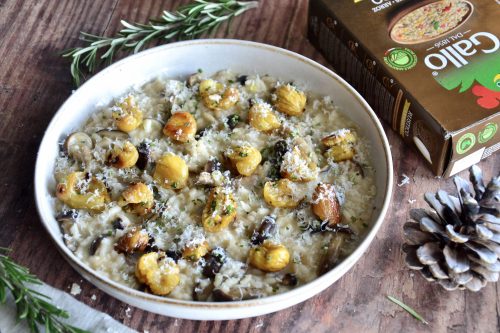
[180, 60]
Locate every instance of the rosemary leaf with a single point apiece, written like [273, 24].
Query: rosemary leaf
[32, 306]
[407, 309]
[189, 21]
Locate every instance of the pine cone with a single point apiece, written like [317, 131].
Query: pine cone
[457, 242]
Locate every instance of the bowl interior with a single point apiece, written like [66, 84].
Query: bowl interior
[178, 61]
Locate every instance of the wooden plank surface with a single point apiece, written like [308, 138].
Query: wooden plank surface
[34, 81]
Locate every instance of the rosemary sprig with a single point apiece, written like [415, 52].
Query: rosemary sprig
[32, 306]
[189, 21]
[408, 309]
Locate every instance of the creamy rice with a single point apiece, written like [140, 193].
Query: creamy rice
[174, 222]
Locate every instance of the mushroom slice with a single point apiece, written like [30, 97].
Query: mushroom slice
[266, 230]
[231, 296]
[202, 291]
[67, 216]
[333, 254]
[144, 156]
[114, 135]
[79, 146]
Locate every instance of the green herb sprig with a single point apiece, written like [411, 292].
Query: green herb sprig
[407, 309]
[188, 22]
[32, 306]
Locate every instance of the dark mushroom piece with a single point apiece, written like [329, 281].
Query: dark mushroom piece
[289, 280]
[95, 245]
[358, 168]
[200, 133]
[213, 262]
[201, 293]
[281, 147]
[67, 216]
[175, 255]
[144, 152]
[113, 135]
[212, 165]
[117, 224]
[205, 177]
[333, 254]
[242, 79]
[194, 79]
[234, 295]
[151, 247]
[266, 230]
[221, 296]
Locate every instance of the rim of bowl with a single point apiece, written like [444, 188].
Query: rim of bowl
[41, 192]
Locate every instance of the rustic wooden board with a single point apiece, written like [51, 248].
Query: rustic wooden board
[34, 81]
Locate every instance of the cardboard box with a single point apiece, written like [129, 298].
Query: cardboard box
[431, 69]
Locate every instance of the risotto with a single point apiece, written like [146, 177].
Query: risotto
[218, 188]
[430, 21]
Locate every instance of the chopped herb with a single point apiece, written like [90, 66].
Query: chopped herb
[229, 209]
[174, 185]
[200, 70]
[365, 225]
[407, 309]
[243, 154]
[435, 25]
[232, 121]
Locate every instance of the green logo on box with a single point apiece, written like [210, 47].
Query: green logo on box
[465, 143]
[487, 133]
[401, 59]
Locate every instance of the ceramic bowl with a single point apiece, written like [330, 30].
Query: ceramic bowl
[180, 60]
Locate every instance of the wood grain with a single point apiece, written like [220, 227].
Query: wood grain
[34, 81]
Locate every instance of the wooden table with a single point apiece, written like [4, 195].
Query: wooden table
[34, 82]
